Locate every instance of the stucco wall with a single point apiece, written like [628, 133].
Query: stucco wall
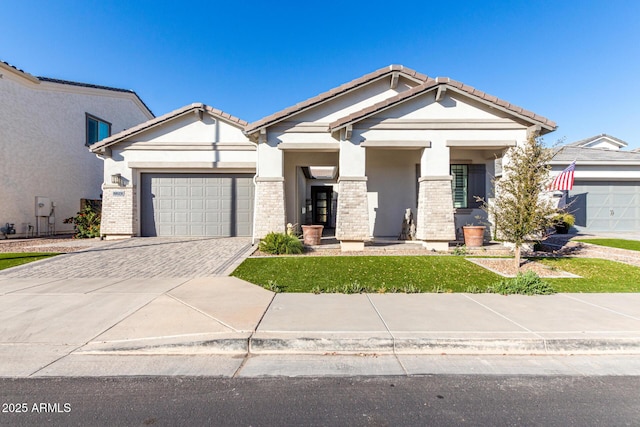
[183, 143]
[392, 188]
[43, 136]
[355, 101]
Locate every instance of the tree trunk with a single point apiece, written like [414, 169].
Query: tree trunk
[517, 256]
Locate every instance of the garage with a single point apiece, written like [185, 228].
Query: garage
[190, 204]
[606, 206]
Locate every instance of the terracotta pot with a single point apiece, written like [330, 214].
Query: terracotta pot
[312, 234]
[473, 235]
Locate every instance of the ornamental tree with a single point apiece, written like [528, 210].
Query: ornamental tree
[521, 208]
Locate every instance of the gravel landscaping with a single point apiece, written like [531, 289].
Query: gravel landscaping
[60, 244]
[507, 268]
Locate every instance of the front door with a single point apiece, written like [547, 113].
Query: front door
[321, 200]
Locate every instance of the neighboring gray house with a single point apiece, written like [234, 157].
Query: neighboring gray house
[46, 126]
[353, 159]
[606, 192]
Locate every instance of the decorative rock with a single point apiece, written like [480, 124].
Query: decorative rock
[408, 226]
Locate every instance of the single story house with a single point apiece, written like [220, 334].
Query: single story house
[353, 159]
[606, 191]
[46, 126]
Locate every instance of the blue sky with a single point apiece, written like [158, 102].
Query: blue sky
[575, 62]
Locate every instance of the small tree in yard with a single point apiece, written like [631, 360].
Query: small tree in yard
[521, 208]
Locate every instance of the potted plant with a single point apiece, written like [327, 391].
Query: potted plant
[563, 221]
[312, 234]
[473, 235]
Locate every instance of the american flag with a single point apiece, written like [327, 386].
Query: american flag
[564, 181]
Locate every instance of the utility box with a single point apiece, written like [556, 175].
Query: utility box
[43, 206]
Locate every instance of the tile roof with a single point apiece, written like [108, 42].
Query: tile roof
[113, 139]
[569, 153]
[281, 115]
[92, 86]
[29, 76]
[430, 84]
[37, 79]
[593, 138]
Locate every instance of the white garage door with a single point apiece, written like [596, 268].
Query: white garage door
[606, 206]
[213, 205]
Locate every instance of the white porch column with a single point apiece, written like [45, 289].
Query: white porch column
[435, 222]
[352, 217]
[269, 209]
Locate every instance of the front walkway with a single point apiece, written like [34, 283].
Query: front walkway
[143, 257]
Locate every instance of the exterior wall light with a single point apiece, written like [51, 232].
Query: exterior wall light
[117, 179]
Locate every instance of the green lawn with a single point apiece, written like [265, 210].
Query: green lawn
[423, 273]
[633, 245]
[598, 275]
[11, 260]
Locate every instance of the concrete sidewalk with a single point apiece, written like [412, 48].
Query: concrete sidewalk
[450, 324]
[218, 325]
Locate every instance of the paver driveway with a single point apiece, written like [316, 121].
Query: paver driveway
[143, 257]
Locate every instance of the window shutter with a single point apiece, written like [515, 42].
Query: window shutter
[477, 187]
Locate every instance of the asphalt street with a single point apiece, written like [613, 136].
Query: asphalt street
[359, 401]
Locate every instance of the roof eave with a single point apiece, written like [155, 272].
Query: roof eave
[14, 70]
[596, 162]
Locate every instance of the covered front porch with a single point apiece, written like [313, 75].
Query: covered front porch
[370, 208]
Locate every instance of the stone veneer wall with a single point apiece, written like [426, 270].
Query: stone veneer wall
[352, 218]
[118, 211]
[435, 209]
[269, 209]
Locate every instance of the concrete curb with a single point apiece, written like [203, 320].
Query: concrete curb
[264, 343]
[341, 344]
[377, 343]
[236, 343]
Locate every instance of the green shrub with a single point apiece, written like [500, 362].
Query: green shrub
[460, 250]
[280, 243]
[411, 289]
[473, 289]
[564, 218]
[273, 287]
[86, 223]
[528, 283]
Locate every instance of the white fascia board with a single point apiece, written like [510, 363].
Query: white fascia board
[499, 107]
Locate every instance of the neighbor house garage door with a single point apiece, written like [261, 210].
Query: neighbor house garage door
[215, 205]
[606, 206]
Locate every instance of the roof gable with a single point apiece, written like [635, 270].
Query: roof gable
[440, 85]
[569, 153]
[392, 71]
[600, 141]
[198, 109]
